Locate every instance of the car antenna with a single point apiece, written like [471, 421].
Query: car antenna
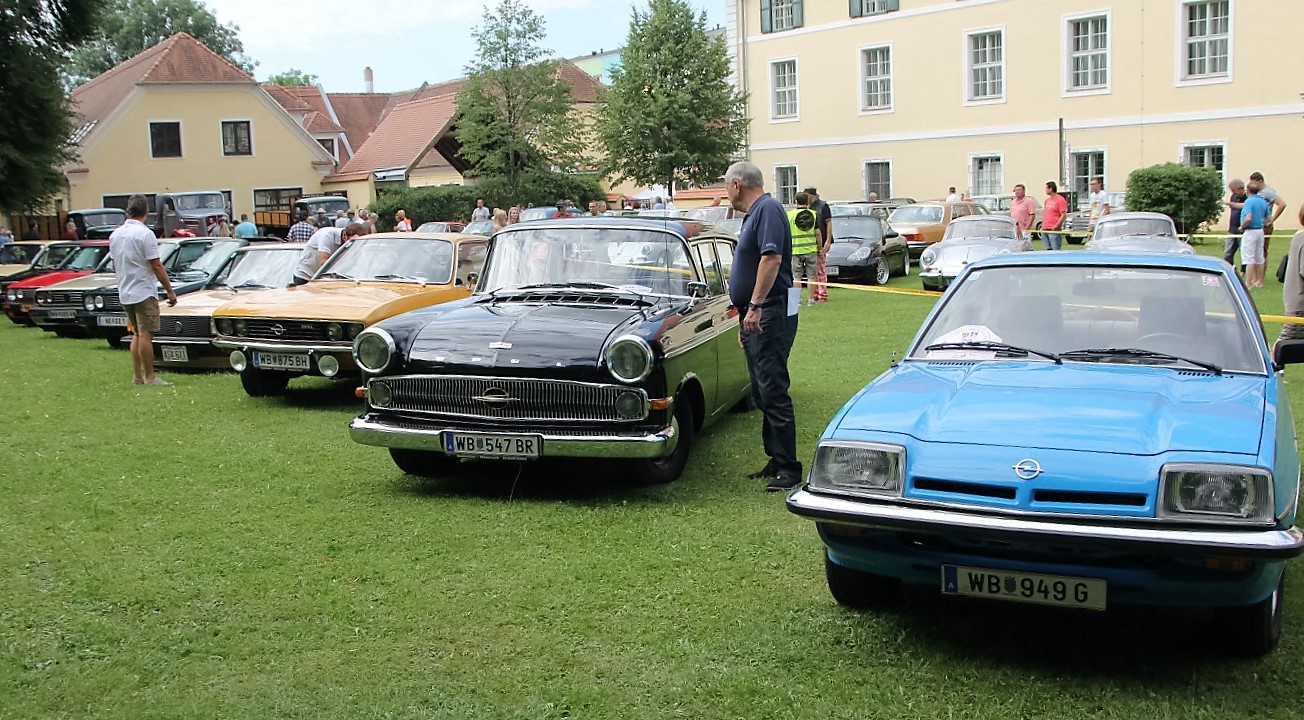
[894, 360]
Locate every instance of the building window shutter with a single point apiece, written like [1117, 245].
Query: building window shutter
[797, 19]
[855, 9]
[765, 16]
[893, 5]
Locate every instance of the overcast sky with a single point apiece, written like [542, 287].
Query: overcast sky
[407, 42]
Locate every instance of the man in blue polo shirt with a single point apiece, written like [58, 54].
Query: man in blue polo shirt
[758, 288]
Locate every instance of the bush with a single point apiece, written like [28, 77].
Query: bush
[455, 202]
[1188, 195]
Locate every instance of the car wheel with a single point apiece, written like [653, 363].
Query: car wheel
[860, 590]
[115, 341]
[72, 333]
[261, 383]
[423, 463]
[882, 273]
[662, 470]
[905, 265]
[1254, 630]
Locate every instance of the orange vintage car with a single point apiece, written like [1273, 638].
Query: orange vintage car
[278, 335]
[923, 224]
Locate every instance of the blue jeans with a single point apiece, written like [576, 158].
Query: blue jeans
[767, 363]
[1053, 241]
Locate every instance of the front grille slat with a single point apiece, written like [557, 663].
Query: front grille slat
[290, 330]
[56, 299]
[184, 326]
[522, 398]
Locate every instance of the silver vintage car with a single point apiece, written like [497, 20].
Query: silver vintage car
[967, 240]
[1144, 232]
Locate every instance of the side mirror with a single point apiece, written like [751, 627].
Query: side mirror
[698, 289]
[472, 279]
[891, 234]
[1287, 352]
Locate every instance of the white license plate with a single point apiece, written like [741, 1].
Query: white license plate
[281, 361]
[175, 353]
[831, 270]
[111, 321]
[492, 446]
[1056, 590]
[62, 314]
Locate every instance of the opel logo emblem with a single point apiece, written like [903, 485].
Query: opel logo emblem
[495, 396]
[177, 325]
[278, 329]
[1027, 469]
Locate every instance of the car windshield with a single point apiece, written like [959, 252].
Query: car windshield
[433, 227]
[993, 204]
[104, 218]
[262, 268]
[86, 258]
[329, 205]
[201, 201]
[857, 228]
[712, 214]
[1134, 226]
[917, 215]
[212, 259]
[980, 228]
[12, 254]
[858, 209]
[390, 258]
[55, 256]
[1168, 316]
[479, 227]
[187, 253]
[645, 261]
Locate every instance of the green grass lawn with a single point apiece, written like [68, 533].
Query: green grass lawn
[189, 552]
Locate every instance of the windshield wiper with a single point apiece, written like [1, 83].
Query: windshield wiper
[1140, 353]
[394, 276]
[336, 276]
[250, 284]
[998, 347]
[576, 284]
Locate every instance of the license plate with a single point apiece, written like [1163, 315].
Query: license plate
[175, 353]
[1056, 590]
[111, 321]
[493, 446]
[62, 314]
[281, 361]
[831, 270]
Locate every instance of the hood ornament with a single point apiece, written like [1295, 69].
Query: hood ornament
[1027, 469]
[497, 345]
[278, 330]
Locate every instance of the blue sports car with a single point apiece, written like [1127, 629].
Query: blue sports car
[1072, 429]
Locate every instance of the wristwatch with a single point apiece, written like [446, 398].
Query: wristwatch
[753, 306]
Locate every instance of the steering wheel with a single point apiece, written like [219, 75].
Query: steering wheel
[1161, 336]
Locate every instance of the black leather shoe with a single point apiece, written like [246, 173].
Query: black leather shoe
[765, 473]
[783, 481]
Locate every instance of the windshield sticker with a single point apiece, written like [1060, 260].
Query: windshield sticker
[964, 334]
[1211, 281]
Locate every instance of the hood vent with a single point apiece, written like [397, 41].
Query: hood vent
[951, 363]
[553, 297]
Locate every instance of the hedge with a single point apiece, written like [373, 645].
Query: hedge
[1188, 195]
[455, 202]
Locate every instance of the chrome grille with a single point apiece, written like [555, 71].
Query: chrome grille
[183, 326]
[291, 330]
[63, 298]
[112, 303]
[509, 398]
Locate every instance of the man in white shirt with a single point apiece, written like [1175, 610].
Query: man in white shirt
[135, 254]
[1099, 200]
[480, 212]
[341, 222]
[953, 196]
[320, 246]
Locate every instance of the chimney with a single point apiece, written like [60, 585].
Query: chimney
[368, 81]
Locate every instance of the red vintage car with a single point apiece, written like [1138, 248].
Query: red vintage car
[19, 296]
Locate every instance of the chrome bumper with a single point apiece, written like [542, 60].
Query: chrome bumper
[1265, 544]
[206, 342]
[343, 346]
[367, 430]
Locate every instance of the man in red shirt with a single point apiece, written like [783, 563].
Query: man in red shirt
[1023, 209]
[1053, 217]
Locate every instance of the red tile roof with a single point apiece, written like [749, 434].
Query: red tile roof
[285, 98]
[318, 124]
[405, 135]
[359, 114]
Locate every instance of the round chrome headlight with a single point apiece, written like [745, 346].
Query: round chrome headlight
[374, 349]
[629, 358]
[11, 296]
[629, 405]
[352, 330]
[99, 302]
[238, 361]
[224, 326]
[328, 365]
[241, 327]
[928, 258]
[88, 302]
[379, 394]
[42, 299]
[334, 331]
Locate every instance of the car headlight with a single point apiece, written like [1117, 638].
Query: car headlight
[11, 296]
[241, 327]
[379, 394]
[859, 468]
[860, 253]
[42, 299]
[351, 330]
[928, 258]
[88, 302]
[224, 326]
[630, 405]
[335, 331]
[374, 350]
[629, 358]
[99, 302]
[1216, 493]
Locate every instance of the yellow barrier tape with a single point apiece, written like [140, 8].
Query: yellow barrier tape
[1287, 234]
[1280, 319]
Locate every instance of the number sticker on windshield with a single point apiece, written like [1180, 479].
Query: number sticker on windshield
[1211, 281]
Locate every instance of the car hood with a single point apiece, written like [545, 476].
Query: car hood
[201, 303]
[1141, 244]
[1116, 409]
[41, 278]
[952, 255]
[340, 300]
[82, 281]
[840, 251]
[523, 336]
[16, 268]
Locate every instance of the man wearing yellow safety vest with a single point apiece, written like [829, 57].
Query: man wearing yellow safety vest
[805, 246]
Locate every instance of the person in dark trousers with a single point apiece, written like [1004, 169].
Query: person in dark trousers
[758, 288]
[1234, 202]
[32, 233]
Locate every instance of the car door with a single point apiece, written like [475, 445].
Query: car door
[731, 364]
[894, 248]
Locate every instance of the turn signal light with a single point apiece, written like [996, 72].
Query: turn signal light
[360, 392]
[659, 403]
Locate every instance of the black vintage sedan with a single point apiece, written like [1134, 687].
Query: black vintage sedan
[865, 248]
[587, 337]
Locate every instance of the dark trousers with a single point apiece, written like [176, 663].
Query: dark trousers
[767, 363]
[1231, 244]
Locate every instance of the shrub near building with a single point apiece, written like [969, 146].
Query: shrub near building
[455, 202]
[1188, 195]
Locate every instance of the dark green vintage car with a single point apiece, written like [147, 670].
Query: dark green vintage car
[592, 337]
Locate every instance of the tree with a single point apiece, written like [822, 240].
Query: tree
[514, 113]
[35, 38]
[1188, 195]
[672, 116]
[293, 77]
[131, 26]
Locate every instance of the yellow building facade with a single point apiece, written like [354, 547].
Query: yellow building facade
[912, 97]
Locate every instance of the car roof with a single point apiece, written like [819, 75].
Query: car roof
[1065, 258]
[271, 246]
[97, 210]
[985, 218]
[1133, 215]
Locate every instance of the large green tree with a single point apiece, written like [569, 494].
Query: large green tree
[293, 77]
[672, 115]
[35, 38]
[131, 26]
[514, 114]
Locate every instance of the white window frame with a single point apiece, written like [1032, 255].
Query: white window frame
[335, 142]
[967, 86]
[1000, 185]
[1083, 201]
[863, 78]
[181, 134]
[796, 183]
[864, 177]
[1183, 147]
[221, 141]
[774, 16]
[1180, 46]
[1067, 56]
[796, 91]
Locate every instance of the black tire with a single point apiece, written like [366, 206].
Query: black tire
[1254, 630]
[881, 272]
[905, 264]
[659, 471]
[423, 463]
[115, 341]
[860, 590]
[262, 383]
[70, 333]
